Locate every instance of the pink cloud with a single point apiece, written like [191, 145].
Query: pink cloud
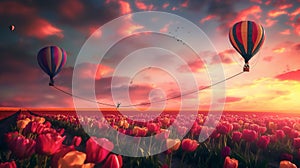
[226, 56]
[250, 13]
[142, 6]
[275, 13]
[41, 28]
[292, 75]
[286, 32]
[33, 25]
[194, 66]
[285, 6]
[207, 18]
[71, 9]
[165, 5]
[296, 26]
[256, 1]
[230, 99]
[294, 14]
[185, 4]
[270, 23]
[15, 8]
[268, 58]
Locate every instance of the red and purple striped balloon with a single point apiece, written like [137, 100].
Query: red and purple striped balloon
[51, 59]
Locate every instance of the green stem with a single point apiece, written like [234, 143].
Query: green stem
[170, 160]
[182, 159]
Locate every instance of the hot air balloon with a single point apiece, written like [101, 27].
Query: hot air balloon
[11, 27]
[247, 37]
[51, 59]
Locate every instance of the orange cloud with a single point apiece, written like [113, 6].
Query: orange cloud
[286, 32]
[142, 6]
[207, 18]
[275, 13]
[124, 7]
[279, 50]
[129, 27]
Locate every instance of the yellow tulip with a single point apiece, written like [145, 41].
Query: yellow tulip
[21, 124]
[173, 144]
[39, 119]
[73, 159]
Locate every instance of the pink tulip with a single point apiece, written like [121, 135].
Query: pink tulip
[296, 143]
[76, 140]
[224, 128]
[263, 142]
[279, 134]
[249, 135]
[236, 136]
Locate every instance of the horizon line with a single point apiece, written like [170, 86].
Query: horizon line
[125, 109]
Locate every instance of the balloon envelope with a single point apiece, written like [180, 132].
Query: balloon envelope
[247, 37]
[51, 59]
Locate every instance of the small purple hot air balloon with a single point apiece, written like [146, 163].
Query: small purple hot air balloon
[51, 59]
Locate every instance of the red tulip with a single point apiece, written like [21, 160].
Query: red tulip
[153, 127]
[20, 146]
[296, 143]
[236, 136]
[113, 161]
[76, 140]
[230, 163]
[263, 142]
[10, 138]
[11, 164]
[249, 135]
[189, 145]
[97, 149]
[49, 143]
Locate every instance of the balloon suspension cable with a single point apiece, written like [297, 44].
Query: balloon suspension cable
[147, 103]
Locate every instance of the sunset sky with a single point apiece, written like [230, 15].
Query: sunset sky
[273, 83]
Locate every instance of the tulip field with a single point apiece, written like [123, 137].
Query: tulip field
[244, 140]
